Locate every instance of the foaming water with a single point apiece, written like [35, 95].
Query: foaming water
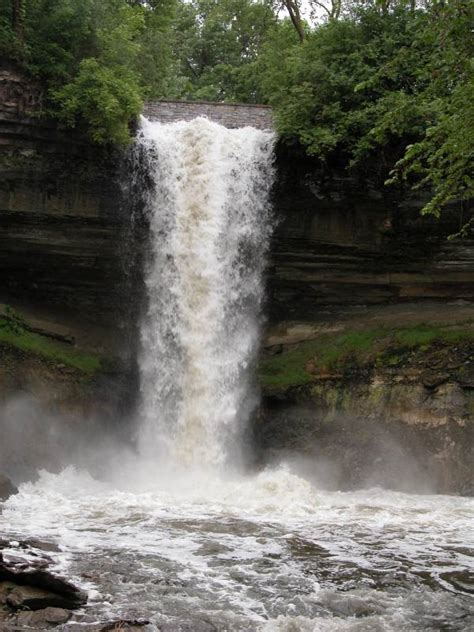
[261, 552]
[209, 229]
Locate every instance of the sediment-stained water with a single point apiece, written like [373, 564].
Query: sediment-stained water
[210, 224]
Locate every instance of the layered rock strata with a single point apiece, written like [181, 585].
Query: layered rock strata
[61, 240]
[381, 399]
[343, 240]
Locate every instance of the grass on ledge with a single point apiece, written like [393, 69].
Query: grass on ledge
[424, 334]
[45, 347]
[332, 352]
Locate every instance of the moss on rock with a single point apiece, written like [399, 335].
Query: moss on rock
[334, 357]
[29, 342]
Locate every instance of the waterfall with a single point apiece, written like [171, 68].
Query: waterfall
[210, 224]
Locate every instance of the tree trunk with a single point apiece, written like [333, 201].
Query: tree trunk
[295, 16]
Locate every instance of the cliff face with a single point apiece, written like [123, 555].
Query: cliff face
[350, 371]
[65, 341]
[376, 399]
[368, 359]
[341, 241]
[60, 214]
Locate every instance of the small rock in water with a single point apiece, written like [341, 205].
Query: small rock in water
[35, 598]
[7, 488]
[41, 545]
[125, 624]
[41, 619]
[5, 590]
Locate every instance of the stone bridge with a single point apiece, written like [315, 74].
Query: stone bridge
[227, 114]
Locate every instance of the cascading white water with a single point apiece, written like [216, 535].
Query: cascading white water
[210, 225]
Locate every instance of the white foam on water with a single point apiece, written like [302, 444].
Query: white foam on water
[253, 550]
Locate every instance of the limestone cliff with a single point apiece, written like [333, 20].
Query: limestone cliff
[60, 213]
[63, 243]
[368, 360]
[380, 397]
[345, 239]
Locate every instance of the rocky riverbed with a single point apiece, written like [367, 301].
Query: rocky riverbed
[35, 595]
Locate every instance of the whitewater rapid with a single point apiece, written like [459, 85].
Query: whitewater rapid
[209, 219]
[266, 552]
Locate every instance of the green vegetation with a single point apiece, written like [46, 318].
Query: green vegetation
[424, 334]
[326, 353]
[14, 333]
[387, 89]
[218, 44]
[332, 355]
[369, 85]
[97, 59]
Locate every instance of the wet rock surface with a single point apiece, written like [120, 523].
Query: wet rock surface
[31, 598]
[395, 412]
[32, 595]
[41, 619]
[124, 624]
[28, 568]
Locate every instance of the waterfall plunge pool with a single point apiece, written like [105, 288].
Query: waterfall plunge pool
[264, 552]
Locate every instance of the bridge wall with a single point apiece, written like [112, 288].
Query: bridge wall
[229, 115]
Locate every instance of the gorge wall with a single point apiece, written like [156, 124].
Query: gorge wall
[368, 360]
[345, 240]
[60, 211]
[62, 246]
[368, 352]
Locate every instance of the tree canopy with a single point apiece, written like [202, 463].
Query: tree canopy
[97, 59]
[381, 82]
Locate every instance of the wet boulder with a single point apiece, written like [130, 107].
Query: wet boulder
[32, 595]
[42, 619]
[31, 598]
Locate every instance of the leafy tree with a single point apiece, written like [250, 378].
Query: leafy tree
[315, 87]
[384, 84]
[294, 12]
[96, 58]
[18, 17]
[105, 91]
[156, 63]
[443, 158]
[217, 42]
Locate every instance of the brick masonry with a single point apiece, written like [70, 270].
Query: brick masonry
[227, 114]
